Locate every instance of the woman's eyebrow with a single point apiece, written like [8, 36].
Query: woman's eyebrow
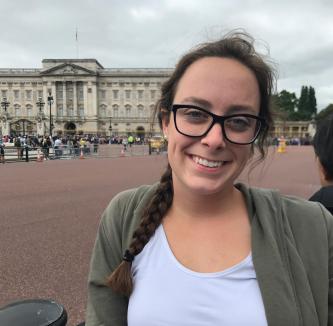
[241, 109]
[198, 101]
[234, 109]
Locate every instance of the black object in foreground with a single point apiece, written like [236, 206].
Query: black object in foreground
[36, 312]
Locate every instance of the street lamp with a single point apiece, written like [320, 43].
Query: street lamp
[5, 104]
[110, 127]
[40, 104]
[50, 102]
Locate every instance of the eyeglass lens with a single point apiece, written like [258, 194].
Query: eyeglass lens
[240, 129]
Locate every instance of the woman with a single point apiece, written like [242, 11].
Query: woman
[196, 249]
[323, 147]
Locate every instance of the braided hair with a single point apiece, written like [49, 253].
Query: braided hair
[121, 279]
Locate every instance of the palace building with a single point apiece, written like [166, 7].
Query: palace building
[80, 96]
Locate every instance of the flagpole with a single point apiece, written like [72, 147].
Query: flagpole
[77, 43]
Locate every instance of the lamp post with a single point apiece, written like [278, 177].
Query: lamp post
[40, 104]
[50, 102]
[5, 104]
[110, 127]
[40, 116]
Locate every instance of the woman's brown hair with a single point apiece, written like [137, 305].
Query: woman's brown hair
[238, 46]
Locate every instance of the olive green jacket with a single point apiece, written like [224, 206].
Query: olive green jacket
[292, 253]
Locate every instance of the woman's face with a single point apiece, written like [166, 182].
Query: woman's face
[210, 164]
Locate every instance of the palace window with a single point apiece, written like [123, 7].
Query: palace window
[128, 94]
[140, 94]
[17, 110]
[79, 87]
[59, 91]
[16, 95]
[152, 94]
[103, 111]
[60, 111]
[28, 95]
[81, 111]
[29, 110]
[103, 94]
[128, 111]
[70, 111]
[140, 111]
[115, 111]
[69, 90]
[3, 93]
[115, 94]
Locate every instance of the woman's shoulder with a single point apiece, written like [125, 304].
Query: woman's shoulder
[297, 210]
[132, 196]
[126, 207]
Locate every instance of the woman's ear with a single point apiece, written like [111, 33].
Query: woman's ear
[322, 173]
[165, 122]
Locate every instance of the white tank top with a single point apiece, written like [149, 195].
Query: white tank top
[169, 294]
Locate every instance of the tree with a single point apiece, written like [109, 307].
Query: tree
[307, 104]
[325, 112]
[303, 103]
[284, 105]
[312, 101]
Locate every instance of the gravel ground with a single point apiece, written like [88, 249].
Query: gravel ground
[49, 214]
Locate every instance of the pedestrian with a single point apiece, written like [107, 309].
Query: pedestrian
[17, 145]
[46, 145]
[323, 147]
[197, 248]
[95, 141]
[58, 147]
[2, 151]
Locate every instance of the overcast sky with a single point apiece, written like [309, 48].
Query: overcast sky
[154, 33]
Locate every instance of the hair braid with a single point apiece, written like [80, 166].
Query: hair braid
[121, 278]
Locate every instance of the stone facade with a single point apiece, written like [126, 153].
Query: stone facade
[83, 98]
[293, 129]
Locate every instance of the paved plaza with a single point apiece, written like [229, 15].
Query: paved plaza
[49, 214]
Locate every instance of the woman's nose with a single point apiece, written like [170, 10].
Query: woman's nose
[214, 137]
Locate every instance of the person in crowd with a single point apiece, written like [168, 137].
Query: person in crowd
[58, 147]
[2, 151]
[46, 145]
[198, 248]
[17, 144]
[323, 147]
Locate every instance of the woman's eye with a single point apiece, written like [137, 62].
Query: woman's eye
[239, 123]
[195, 114]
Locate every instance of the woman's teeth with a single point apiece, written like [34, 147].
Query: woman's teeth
[204, 162]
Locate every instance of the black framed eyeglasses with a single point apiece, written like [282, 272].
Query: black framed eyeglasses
[193, 121]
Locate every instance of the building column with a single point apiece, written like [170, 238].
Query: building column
[94, 107]
[75, 99]
[45, 95]
[85, 99]
[54, 94]
[64, 98]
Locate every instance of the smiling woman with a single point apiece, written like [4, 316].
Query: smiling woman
[196, 248]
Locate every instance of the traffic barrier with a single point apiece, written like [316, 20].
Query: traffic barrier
[40, 157]
[81, 154]
[282, 146]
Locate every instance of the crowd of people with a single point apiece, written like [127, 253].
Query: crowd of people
[74, 143]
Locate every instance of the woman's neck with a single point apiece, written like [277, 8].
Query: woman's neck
[187, 203]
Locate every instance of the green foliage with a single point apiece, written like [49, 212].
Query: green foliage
[312, 101]
[325, 112]
[307, 104]
[286, 105]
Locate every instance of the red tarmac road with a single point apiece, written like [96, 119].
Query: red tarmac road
[49, 214]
